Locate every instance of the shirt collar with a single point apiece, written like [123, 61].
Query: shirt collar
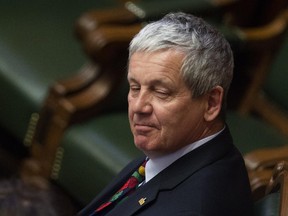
[156, 165]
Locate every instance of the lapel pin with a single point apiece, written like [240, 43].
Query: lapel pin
[142, 201]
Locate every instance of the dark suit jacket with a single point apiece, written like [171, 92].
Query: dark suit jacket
[209, 181]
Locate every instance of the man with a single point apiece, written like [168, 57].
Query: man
[180, 69]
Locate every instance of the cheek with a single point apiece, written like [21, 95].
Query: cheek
[179, 119]
[171, 124]
[168, 119]
[171, 115]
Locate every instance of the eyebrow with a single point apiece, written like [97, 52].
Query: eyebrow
[155, 82]
[131, 79]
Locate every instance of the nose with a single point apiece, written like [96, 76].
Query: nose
[141, 104]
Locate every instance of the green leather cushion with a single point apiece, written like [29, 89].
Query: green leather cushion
[250, 133]
[268, 206]
[93, 153]
[276, 84]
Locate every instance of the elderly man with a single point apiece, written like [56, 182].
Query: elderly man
[180, 69]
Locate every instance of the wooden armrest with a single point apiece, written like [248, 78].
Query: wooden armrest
[259, 180]
[268, 31]
[111, 51]
[279, 176]
[72, 85]
[265, 158]
[102, 46]
[60, 113]
[92, 100]
[93, 19]
[262, 43]
[279, 182]
[138, 11]
[93, 93]
[112, 38]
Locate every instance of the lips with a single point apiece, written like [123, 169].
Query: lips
[143, 128]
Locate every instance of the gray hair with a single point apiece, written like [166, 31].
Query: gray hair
[208, 58]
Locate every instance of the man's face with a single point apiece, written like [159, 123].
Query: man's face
[163, 116]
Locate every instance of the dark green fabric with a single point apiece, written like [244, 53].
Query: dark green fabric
[268, 206]
[94, 153]
[276, 85]
[250, 133]
[37, 47]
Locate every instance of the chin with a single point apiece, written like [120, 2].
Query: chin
[142, 144]
[148, 150]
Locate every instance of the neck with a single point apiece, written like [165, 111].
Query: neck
[212, 128]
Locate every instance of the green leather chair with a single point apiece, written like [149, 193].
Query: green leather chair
[275, 201]
[268, 206]
[250, 133]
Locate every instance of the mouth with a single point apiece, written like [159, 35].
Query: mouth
[143, 128]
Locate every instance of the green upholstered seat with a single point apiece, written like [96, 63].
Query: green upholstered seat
[268, 205]
[93, 153]
[276, 86]
[250, 133]
[37, 47]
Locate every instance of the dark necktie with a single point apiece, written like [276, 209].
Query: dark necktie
[128, 188]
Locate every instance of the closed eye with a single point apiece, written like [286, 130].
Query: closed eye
[163, 94]
[134, 90]
[135, 87]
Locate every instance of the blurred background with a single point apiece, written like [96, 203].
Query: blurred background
[63, 118]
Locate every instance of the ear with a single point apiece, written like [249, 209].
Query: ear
[214, 103]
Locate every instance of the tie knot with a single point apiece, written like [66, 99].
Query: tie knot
[141, 169]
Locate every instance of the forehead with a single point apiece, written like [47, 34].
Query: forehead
[164, 64]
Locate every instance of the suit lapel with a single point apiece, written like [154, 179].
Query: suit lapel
[195, 160]
[175, 174]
